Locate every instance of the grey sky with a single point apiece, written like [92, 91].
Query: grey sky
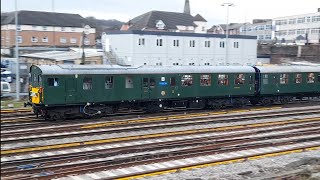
[211, 10]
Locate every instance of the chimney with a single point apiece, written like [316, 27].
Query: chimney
[186, 7]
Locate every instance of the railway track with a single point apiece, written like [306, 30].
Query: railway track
[187, 148]
[141, 124]
[160, 147]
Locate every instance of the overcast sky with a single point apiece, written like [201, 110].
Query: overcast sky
[211, 10]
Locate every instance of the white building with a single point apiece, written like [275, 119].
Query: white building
[177, 48]
[298, 28]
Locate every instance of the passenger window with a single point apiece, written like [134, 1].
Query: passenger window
[223, 80]
[240, 79]
[298, 78]
[265, 79]
[284, 78]
[145, 82]
[310, 78]
[205, 80]
[274, 80]
[186, 80]
[109, 82]
[152, 83]
[172, 81]
[87, 83]
[53, 82]
[129, 82]
[250, 79]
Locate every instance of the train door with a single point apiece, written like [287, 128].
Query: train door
[148, 87]
[71, 90]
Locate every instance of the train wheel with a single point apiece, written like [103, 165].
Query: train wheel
[266, 102]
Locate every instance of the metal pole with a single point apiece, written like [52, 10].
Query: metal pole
[227, 30]
[83, 55]
[227, 35]
[17, 54]
[54, 33]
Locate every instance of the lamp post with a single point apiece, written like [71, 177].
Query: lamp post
[17, 54]
[227, 28]
[85, 32]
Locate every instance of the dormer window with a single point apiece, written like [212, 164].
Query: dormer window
[160, 24]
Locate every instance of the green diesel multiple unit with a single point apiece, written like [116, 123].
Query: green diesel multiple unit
[60, 91]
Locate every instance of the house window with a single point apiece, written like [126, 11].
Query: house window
[268, 27]
[206, 43]
[240, 79]
[315, 31]
[223, 80]
[159, 42]
[19, 39]
[292, 21]
[308, 19]
[192, 43]
[221, 44]
[186, 80]
[284, 78]
[109, 82]
[298, 78]
[45, 39]
[203, 28]
[236, 44]
[176, 43]
[291, 32]
[205, 80]
[73, 40]
[63, 40]
[160, 24]
[44, 28]
[260, 37]
[301, 20]
[53, 82]
[267, 37]
[87, 83]
[310, 78]
[34, 39]
[301, 31]
[141, 42]
[63, 29]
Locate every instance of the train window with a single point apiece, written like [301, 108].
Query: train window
[284, 78]
[274, 80]
[87, 83]
[145, 82]
[223, 79]
[250, 79]
[129, 82]
[310, 78]
[40, 80]
[172, 81]
[205, 80]
[298, 78]
[186, 80]
[53, 81]
[35, 78]
[152, 82]
[109, 82]
[240, 79]
[265, 79]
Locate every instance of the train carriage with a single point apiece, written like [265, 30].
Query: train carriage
[283, 83]
[58, 91]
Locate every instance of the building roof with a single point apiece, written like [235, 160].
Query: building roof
[170, 19]
[198, 17]
[180, 34]
[40, 18]
[63, 55]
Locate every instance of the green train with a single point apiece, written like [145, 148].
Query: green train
[68, 91]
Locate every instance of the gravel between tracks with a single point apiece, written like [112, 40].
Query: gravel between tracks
[255, 169]
[142, 132]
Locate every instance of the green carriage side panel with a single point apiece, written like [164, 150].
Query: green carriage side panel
[54, 94]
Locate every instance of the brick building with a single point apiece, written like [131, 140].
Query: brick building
[45, 29]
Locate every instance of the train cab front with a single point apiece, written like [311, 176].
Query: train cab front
[35, 99]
